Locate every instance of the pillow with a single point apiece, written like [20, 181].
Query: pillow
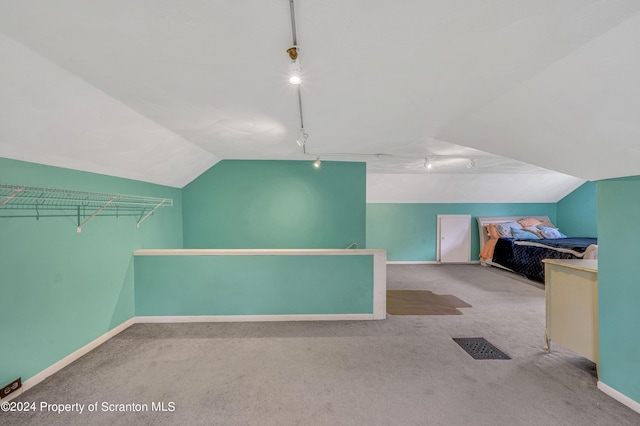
[493, 233]
[549, 224]
[551, 233]
[530, 221]
[591, 252]
[504, 229]
[522, 234]
[534, 230]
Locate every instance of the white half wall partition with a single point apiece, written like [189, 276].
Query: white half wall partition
[259, 285]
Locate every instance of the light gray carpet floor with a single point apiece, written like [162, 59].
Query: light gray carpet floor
[405, 370]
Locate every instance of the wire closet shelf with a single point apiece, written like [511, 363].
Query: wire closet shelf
[37, 202]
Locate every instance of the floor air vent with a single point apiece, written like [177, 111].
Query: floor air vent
[479, 348]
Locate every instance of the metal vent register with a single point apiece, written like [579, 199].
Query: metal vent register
[479, 348]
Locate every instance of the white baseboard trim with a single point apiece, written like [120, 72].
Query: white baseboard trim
[620, 397]
[34, 380]
[253, 318]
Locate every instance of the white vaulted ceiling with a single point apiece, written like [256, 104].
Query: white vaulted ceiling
[540, 93]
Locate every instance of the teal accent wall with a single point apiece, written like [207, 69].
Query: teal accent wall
[276, 204]
[578, 212]
[253, 285]
[60, 289]
[408, 232]
[619, 284]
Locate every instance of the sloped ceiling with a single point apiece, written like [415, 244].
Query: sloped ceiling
[540, 94]
[56, 118]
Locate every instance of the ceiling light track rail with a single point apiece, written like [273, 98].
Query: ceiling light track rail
[428, 159]
[35, 202]
[400, 157]
[293, 23]
[295, 75]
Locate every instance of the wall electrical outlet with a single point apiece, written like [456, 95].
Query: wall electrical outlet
[11, 387]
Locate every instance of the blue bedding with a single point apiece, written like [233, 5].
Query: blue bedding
[525, 256]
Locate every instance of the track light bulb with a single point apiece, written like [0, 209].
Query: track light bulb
[294, 72]
[295, 79]
[317, 163]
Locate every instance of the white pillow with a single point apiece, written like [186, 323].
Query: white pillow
[533, 230]
[504, 229]
[591, 252]
[551, 233]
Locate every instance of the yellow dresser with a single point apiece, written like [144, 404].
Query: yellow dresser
[571, 293]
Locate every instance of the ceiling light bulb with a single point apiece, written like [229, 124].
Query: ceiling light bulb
[295, 79]
[317, 163]
[294, 72]
[429, 166]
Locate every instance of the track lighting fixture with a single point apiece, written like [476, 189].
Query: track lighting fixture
[295, 77]
[302, 138]
[293, 52]
[427, 164]
[317, 163]
[294, 66]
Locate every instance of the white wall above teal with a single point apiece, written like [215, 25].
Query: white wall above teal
[469, 188]
[50, 116]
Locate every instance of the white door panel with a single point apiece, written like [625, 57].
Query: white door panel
[454, 240]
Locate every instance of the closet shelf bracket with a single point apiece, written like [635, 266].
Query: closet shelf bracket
[10, 196]
[79, 229]
[151, 212]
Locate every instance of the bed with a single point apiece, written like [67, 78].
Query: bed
[522, 251]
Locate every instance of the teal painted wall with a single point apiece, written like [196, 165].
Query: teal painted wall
[619, 284]
[60, 290]
[253, 285]
[408, 232]
[276, 204]
[578, 212]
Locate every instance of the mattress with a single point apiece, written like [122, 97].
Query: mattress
[525, 256]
